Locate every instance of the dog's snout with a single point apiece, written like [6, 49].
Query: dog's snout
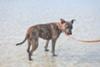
[70, 33]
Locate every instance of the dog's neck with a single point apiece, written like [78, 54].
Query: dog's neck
[59, 25]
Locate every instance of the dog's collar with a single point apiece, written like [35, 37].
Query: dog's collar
[59, 25]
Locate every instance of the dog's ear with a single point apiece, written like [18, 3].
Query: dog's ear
[72, 21]
[62, 21]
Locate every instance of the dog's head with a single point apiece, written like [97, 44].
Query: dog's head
[66, 26]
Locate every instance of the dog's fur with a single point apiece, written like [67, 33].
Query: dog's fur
[50, 31]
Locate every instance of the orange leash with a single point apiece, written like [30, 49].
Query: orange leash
[87, 41]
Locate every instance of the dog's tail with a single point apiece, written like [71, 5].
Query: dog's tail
[22, 41]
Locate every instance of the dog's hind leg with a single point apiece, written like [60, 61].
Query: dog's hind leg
[29, 45]
[46, 46]
[34, 44]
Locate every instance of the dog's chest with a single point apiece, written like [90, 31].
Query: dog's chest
[48, 31]
[45, 32]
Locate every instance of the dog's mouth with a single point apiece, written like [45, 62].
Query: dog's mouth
[68, 33]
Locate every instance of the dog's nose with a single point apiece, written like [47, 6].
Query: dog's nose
[69, 33]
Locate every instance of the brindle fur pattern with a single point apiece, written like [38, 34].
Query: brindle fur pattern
[50, 31]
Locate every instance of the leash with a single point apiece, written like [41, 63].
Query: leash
[86, 41]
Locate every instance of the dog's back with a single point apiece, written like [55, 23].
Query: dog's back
[44, 31]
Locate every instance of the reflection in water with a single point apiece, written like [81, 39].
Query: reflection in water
[46, 61]
[49, 61]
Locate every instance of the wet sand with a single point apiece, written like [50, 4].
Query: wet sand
[70, 53]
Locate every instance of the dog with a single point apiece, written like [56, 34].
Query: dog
[49, 31]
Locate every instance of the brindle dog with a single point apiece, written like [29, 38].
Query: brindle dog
[50, 31]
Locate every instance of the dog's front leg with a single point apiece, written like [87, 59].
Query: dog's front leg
[53, 47]
[46, 46]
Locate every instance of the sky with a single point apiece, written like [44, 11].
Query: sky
[48, 10]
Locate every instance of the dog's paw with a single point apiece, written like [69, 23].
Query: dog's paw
[30, 59]
[54, 55]
[46, 50]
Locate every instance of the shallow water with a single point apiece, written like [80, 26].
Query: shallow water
[70, 53]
